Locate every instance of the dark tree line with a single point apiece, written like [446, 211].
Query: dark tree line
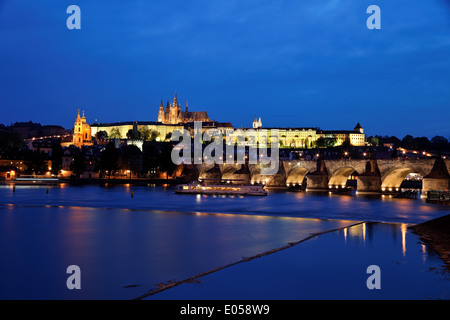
[10, 144]
[413, 143]
[155, 157]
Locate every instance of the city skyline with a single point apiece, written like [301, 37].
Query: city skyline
[99, 124]
[292, 65]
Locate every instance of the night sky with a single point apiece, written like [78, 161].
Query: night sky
[292, 63]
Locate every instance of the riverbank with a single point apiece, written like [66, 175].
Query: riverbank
[436, 233]
[93, 181]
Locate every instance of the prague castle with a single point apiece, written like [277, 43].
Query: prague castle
[302, 137]
[174, 115]
[172, 118]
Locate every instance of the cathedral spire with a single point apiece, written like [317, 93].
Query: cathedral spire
[161, 112]
[175, 100]
[187, 107]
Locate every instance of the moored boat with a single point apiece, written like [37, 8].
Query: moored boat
[438, 197]
[221, 189]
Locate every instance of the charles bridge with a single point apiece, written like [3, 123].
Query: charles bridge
[372, 176]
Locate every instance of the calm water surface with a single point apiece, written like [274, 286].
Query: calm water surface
[123, 236]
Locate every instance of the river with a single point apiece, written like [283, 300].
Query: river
[126, 239]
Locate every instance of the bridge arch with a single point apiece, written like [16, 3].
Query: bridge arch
[340, 177]
[296, 176]
[392, 180]
[228, 171]
[296, 171]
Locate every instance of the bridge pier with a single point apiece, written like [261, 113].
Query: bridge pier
[317, 180]
[437, 179]
[429, 184]
[368, 184]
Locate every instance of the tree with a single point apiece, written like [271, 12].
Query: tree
[109, 158]
[421, 143]
[439, 142]
[130, 134]
[320, 142]
[115, 133]
[153, 135]
[131, 158]
[166, 164]
[101, 135]
[57, 155]
[78, 166]
[332, 141]
[10, 143]
[346, 143]
[394, 153]
[151, 157]
[306, 143]
[328, 142]
[35, 162]
[374, 141]
[145, 133]
[407, 142]
[395, 140]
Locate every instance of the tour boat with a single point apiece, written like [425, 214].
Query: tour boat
[221, 189]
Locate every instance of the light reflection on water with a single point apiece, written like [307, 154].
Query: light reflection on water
[117, 247]
[331, 266]
[156, 235]
[294, 204]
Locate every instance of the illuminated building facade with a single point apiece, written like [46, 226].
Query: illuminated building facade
[301, 137]
[82, 135]
[172, 119]
[173, 114]
[356, 137]
[119, 130]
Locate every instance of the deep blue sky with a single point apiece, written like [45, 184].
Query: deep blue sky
[292, 63]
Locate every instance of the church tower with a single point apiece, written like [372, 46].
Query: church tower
[175, 101]
[161, 112]
[257, 123]
[81, 132]
[359, 128]
[174, 111]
